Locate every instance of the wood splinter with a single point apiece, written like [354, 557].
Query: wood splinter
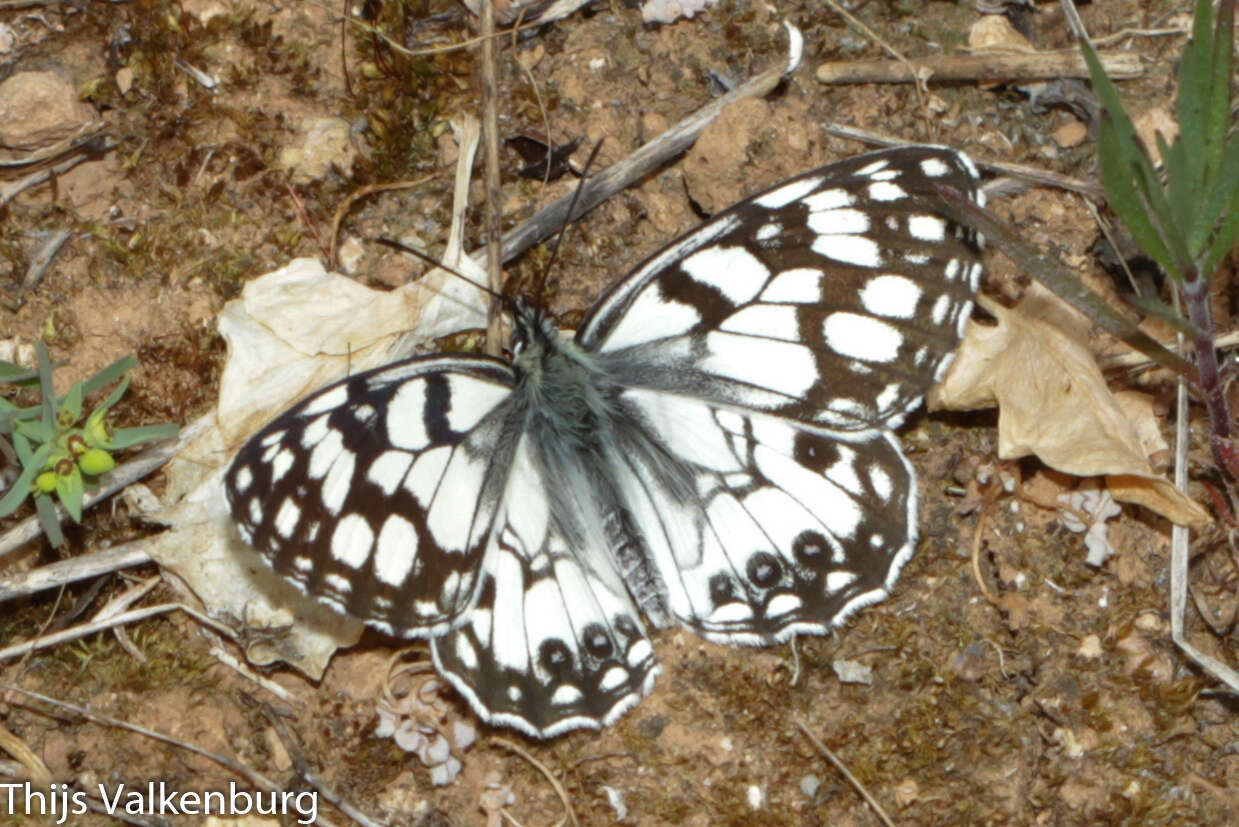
[983, 68]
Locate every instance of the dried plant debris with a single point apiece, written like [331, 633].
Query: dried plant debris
[1054, 403]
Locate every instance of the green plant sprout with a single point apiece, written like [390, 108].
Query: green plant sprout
[1189, 222]
[58, 452]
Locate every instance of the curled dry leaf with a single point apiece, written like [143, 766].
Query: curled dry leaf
[1054, 404]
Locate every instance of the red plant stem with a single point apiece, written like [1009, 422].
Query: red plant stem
[1196, 295]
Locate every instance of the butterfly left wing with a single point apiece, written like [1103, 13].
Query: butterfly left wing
[554, 642]
[776, 529]
[836, 298]
[377, 495]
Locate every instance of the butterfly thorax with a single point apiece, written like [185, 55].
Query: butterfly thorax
[560, 385]
[576, 430]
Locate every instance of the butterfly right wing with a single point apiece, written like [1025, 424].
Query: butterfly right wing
[835, 299]
[377, 495]
[554, 642]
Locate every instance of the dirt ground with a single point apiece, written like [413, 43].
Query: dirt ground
[1061, 702]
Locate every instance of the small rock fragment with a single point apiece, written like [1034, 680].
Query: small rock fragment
[322, 145]
[1090, 647]
[851, 671]
[616, 799]
[38, 109]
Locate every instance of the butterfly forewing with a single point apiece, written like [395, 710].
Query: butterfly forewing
[377, 494]
[835, 298]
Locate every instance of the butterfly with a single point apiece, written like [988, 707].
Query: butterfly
[713, 447]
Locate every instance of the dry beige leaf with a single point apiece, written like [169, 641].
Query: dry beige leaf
[1054, 404]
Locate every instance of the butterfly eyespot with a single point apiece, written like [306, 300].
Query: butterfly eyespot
[597, 642]
[722, 589]
[626, 627]
[810, 549]
[714, 447]
[556, 658]
[764, 570]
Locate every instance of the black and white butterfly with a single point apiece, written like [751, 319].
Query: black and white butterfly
[713, 447]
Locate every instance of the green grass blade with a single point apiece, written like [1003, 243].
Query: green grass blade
[128, 437]
[1217, 109]
[1126, 200]
[49, 520]
[11, 374]
[1184, 197]
[1220, 196]
[20, 489]
[1224, 240]
[1194, 88]
[1062, 281]
[109, 374]
[47, 388]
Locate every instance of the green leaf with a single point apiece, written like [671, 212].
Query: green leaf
[49, 520]
[112, 398]
[1217, 110]
[1194, 83]
[1158, 309]
[1126, 201]
[1220, 197]
[71, 405]
[69, 490]
[1224, 240]
[1065, 283]
[46, 387]
[12, 374]
[128, 437]
[35, 430]
[25, 453]
[109, 374]
[20, 489]
[1185, 199]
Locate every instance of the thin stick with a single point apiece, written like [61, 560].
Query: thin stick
[1180, 538]
[28, 758]
[976, 557]
[83, 567]
[309, 224]
[490, 154]
[981, 68]
[915, 74]
[1136, 359]
[846, 773]
[302, 766]
[570, 815]
[356, 195]
[645, 160]
[80, 631]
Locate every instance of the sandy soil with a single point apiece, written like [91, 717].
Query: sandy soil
[1065, 703]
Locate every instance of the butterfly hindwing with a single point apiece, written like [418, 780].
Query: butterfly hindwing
[377, 494]
[835, 298]
[554, 642]
[786, 530]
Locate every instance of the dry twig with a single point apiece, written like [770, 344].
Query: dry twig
[569, 813]
[985, 68]
[846, 773]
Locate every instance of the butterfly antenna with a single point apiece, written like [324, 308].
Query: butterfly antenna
[576, 196]
[404, 248]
